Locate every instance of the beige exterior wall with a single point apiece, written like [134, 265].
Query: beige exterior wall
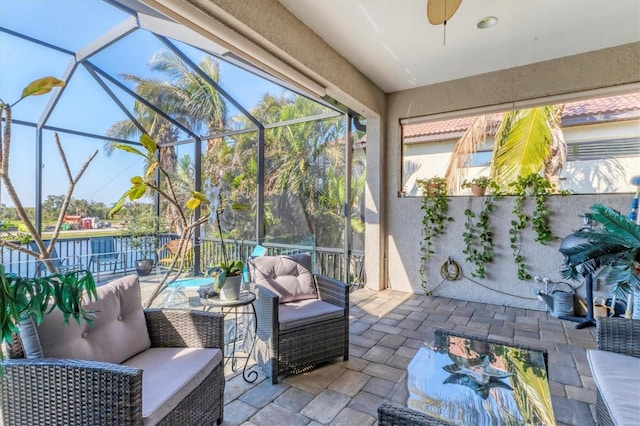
[265, 33]
[595, 70]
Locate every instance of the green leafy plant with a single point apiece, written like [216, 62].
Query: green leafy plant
[22, 297]
[186, 217]
[479, 185]
[477, 236]
[613, 246]
[536, 186]
[223, 207]
[231, 268]
[435, 203]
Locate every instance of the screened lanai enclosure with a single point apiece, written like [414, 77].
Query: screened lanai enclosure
[279, 168]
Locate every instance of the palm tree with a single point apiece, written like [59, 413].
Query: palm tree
[187, 97]
[299, 158]
[198, 102]
[526, 141]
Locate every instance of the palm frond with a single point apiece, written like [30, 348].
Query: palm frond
[616, 224]
[522, 144]
[466, 146]
[614, 247]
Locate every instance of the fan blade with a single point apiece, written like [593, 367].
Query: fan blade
[439, 11]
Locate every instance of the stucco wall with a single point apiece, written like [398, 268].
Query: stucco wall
[501, 285]
[594, 70]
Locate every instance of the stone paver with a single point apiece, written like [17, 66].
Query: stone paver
[572, 412]
[294, 399]
[350, 417]
[378, 354]
[326, 406]
[274, 414]
[237, 413]
[386, 330]
[350, 382]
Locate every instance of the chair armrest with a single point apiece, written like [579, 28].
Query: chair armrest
[619, 335]
[64, 391]
[333, 291]
[266, 306]
[173, 328]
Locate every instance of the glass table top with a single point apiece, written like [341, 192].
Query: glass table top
[468, 381]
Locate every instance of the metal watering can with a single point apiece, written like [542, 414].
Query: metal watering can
[560, 303]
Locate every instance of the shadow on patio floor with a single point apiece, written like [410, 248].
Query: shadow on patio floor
[386, 330]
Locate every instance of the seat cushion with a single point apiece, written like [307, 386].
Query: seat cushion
[289, 277]
[169, 375]
[118, 332]
[305, 312]
[616, 376]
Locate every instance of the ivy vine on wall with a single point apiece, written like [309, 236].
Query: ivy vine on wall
[477, 236]
[539, 188]
[435, 203]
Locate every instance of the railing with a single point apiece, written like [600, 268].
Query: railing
[327, 261]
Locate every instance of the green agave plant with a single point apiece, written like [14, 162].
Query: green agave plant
[613, 246]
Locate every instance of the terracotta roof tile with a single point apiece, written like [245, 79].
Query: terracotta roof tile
[609, 105]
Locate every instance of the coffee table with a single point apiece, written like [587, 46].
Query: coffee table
[466, 380]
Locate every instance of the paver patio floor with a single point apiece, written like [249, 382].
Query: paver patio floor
[386, 330]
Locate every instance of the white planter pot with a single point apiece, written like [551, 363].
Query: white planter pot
[231, 288]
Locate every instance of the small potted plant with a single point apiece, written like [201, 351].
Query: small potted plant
[433, 187]
[477, 185]
[227, 277]
[142, 226]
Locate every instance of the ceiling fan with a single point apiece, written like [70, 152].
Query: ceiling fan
[440, 11]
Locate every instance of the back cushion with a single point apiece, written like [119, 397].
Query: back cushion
[289, 277]
[119, 329]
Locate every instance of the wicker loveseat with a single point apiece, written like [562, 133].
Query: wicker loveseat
[615, 367]
[131, 367]
[303, 318]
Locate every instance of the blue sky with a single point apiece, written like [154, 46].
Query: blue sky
[84, 106]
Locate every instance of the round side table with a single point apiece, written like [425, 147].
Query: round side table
[236, 307]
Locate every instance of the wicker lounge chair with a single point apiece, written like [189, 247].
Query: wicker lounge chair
[616, 374]
[180, 387]
[303, 319]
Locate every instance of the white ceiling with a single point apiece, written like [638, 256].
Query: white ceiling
[392, 42]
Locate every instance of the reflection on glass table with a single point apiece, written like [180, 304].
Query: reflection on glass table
[472, 381]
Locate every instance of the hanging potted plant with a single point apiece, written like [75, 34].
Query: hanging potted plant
[478, 237]
[539, 188]
[435, 203]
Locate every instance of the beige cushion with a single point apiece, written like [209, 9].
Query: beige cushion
[304, 312]
[618, 379]
[119, 328]
[169, 375]
[289, 277]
